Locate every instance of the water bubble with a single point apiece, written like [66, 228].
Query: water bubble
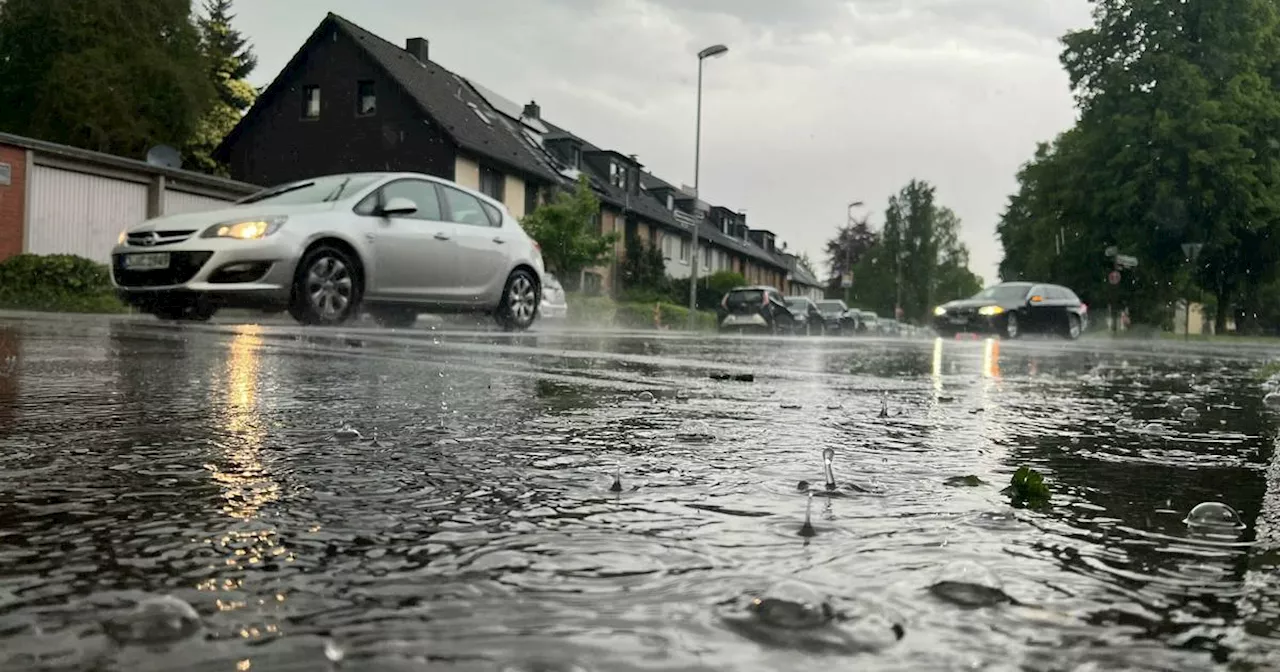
[645, 396]
[1175, 402]
[155, 620]
[969, 584]
[792, 605]
[1272, 400]
[1190, 414]
[1214, 515]
[834, 406]
[333, 652]
[791, 405]
[346, 433]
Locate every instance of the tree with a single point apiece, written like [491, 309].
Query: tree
[230, 62]
[643, 268]
[568, 230]
[115, 76]
[1175, 144]
[806, 263]
[845, 251]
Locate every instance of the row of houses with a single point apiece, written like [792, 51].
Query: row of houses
[350, 101]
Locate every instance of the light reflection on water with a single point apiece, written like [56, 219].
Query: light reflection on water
[493, 537]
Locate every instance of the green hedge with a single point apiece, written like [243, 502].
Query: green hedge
[601, 311]
[57, 282]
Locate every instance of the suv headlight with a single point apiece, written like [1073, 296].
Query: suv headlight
[246, 229]
[939, 311]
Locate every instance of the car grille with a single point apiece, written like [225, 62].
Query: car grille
[182, 267]
[157, 238]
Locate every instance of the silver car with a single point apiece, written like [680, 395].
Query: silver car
[391, 244]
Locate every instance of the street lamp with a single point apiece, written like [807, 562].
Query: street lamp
[1192, 252]
[710, 52]
[846, 283]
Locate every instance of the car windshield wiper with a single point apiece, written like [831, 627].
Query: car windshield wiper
[337, 192]
[272, 193]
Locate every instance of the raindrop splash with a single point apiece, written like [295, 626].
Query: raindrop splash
[806, 530]
[828, 456]
[617, 480]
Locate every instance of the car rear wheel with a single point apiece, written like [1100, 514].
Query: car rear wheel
[1073, 327]
[395, 318]
[327, 288]
[1011, 328]
[519, 305]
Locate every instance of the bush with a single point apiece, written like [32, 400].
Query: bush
[633, 314]
[57, 282]
[586, 310]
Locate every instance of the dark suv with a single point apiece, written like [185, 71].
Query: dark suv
[756, 307]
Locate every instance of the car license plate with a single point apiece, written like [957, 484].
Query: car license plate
[957, 319]
[152, 261]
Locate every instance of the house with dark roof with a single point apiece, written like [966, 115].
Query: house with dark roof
[350, 101]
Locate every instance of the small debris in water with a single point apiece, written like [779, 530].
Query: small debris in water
[969, 481]
[970, 585]
[1027, 489]
[745, 377]
[791, 405]
[720, 376]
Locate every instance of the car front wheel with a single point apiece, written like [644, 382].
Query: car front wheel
[519, 305]
[1073, 327]
[327, 288]
[1011, 328]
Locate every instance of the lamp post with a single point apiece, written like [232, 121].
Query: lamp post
[710, 52]
[847, 284]
[1192, 252]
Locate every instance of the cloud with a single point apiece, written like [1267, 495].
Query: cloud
[818, 102]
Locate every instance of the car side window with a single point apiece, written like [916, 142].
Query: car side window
[465, 208]
[422, 193]
[495, 215]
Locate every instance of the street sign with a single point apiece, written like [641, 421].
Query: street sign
[1126, 261]
[846, 281]
[1113, 277]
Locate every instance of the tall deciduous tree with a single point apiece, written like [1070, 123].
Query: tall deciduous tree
[1176, 143]
[568, 230]
[116, 76]
[231, 61]
[846, 250]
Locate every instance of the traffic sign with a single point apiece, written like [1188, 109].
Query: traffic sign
[846, 281]
[1126, 261]
[1113, 277]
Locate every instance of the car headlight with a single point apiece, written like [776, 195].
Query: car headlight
[124, 235]
[939, 311]
[990, 310]
[245, 229]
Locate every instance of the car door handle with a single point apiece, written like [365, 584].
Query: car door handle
[499, 240]
[442, 236]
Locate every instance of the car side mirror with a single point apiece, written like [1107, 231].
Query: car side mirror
[398, 207]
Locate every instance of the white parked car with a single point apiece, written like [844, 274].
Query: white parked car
[554, 305]
[391, 244]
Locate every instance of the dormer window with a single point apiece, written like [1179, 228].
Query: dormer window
[618, 175]
[671, 202]
[576, 158]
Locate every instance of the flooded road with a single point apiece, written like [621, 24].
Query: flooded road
[408, 500]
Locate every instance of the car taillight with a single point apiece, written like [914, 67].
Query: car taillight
[764, 300]
[1084, 307]
[724, 302]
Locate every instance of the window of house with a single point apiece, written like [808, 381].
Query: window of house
[310, 102]
[492, 184]
[666, 247]
[577, 158]
[366, 98]
[598, 221]
[706, 258]
[684, 250]
[671, 202]
[617, 175]
[421, 192]
[464, 208]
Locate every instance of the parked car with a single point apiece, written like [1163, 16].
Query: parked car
[554, 306]
[869, 322]
[1011, 309]
[809, 318]
[395, 244]
[755, 307]
[838, 317]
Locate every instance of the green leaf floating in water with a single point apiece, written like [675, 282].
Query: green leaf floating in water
[1027, 489]
[969, 481]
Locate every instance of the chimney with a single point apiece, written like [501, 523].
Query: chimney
[532, 111]
[417, 48]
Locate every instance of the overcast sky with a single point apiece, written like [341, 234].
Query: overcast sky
[818, 102]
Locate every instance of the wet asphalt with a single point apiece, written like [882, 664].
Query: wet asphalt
[269, 497]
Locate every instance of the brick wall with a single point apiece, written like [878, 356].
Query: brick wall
[12, 197]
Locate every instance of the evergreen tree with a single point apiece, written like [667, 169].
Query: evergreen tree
[231, 61]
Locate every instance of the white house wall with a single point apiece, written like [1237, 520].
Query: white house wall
[81, 214]
[180, 202]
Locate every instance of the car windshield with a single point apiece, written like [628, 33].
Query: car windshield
[1003, 293]
[308, 192]
[830, 306]
[796, 303]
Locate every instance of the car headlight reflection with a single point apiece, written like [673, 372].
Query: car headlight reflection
[248, 229]
[990, 310]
